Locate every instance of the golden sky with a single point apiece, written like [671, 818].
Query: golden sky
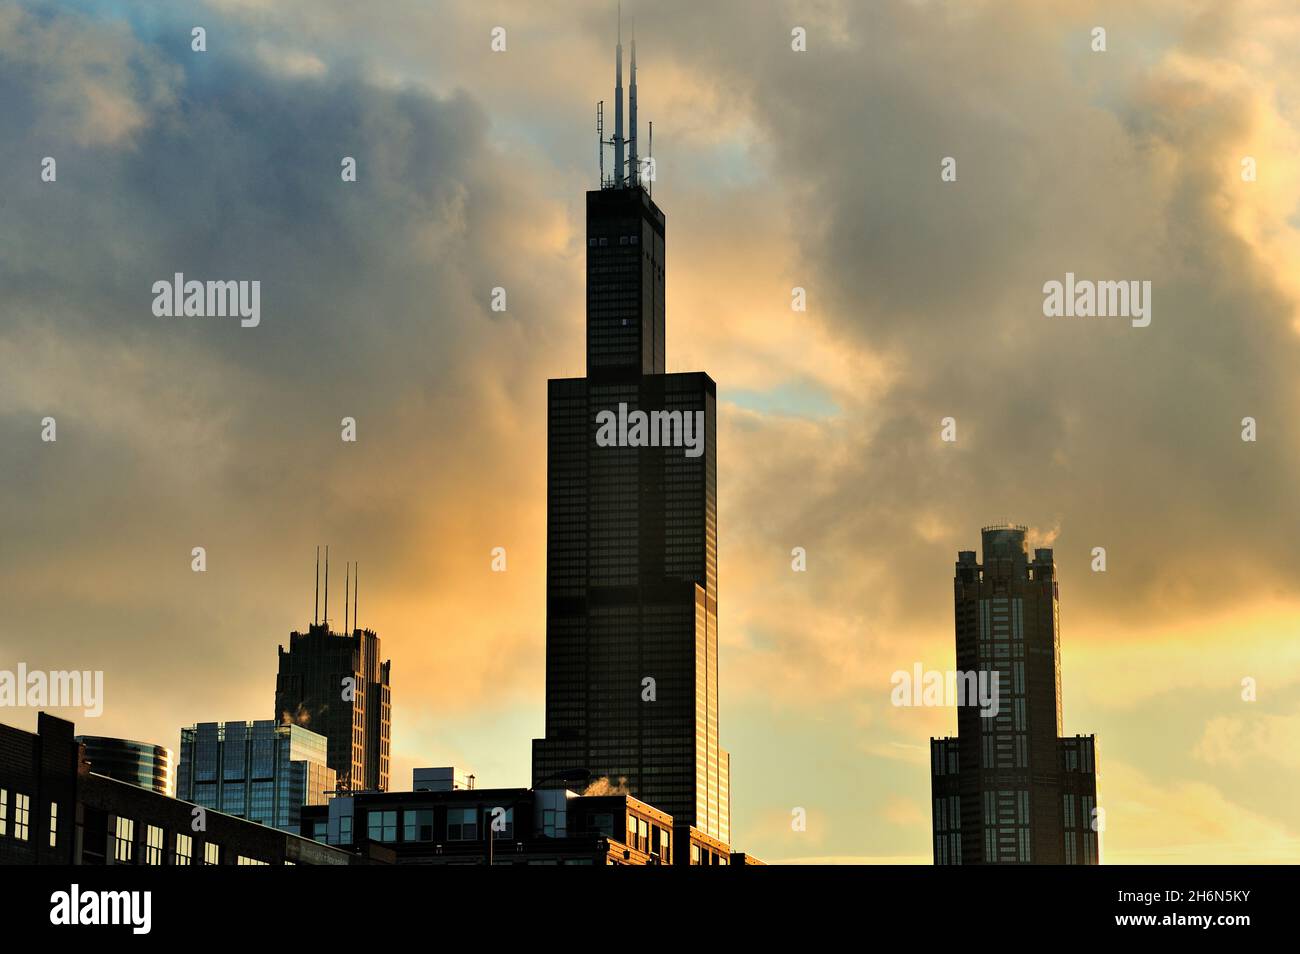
[776, 169]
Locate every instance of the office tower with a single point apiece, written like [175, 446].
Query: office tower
[335, 684]
[631, 588]
[1009, 788]
[261, 771]
[136, 763]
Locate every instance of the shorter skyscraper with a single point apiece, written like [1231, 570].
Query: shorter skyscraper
[336, 684]
[1009, 789]
[136, 763]
[260, 771]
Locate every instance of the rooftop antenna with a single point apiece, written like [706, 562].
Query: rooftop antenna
[600, 140]
[315, 613]
[327, 586]
[347, 592]
[633, 169]
[652, 158]
[356, 588]
[618, 102]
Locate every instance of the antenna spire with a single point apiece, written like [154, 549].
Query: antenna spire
[633, 170]
[315, 613]
[347, 592]
[327, 585]
[356, 592]
[618, 102]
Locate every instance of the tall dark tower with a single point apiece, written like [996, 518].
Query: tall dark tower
[632, 532]
[1009, 789]
[336, 684]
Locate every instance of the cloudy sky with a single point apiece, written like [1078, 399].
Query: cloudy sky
[776, 169]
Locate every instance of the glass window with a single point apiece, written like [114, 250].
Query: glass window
[345, 829]
[383, 826]
[54, 824]
[124, 841]
[245, 860]
[22, 815]
[211, 854]
[417, 825]
[462, 824]
[4, 811]
[184, 850]
[153, 845]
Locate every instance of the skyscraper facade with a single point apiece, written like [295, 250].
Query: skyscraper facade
[632, 534]
[335, 684]
[1009, 789]
[261, 771]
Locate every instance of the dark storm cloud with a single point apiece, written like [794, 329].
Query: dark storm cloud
[1112, 166]
[175, 432]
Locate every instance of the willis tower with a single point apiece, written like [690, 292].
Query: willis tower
[632, 530]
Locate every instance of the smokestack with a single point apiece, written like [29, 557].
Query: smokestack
[618, 103]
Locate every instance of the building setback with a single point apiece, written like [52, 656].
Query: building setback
[1009, 789]
[632, 535]
[261, 771]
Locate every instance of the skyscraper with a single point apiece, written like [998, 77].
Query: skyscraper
[336, 685]
[1009, 789]
[632, 532]
[256, 770]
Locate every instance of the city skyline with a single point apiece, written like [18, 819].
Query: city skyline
[922, 304]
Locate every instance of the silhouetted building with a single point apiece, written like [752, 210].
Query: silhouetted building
[1008, 789]
[137, 763]
[261, 771]
[632, 536]
[55, 810]
[336, 685]
[508, 825]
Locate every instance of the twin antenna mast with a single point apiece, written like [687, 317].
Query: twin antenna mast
[352, 583]
[627, 164]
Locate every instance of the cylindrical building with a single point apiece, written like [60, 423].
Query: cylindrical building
[137, 763]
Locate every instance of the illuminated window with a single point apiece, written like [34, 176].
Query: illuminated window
[124, 841]
[211, 854]
[22, 815]
[54, 824]
[184, 850]
[153, 845]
